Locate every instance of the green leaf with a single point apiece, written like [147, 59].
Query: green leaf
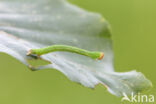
[27, 24]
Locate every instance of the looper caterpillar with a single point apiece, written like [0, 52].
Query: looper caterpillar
[66, 48]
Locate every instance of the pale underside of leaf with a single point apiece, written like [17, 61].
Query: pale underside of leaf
[27, 24]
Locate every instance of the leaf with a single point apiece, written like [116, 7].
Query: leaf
[27, 24]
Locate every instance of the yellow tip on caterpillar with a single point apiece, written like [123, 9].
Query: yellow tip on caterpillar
[101, 56]
[29, 52]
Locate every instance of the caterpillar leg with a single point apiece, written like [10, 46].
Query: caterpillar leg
[29, 53]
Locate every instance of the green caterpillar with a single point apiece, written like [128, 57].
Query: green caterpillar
[53, 48]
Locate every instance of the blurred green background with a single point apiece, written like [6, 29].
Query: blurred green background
[134, 34]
